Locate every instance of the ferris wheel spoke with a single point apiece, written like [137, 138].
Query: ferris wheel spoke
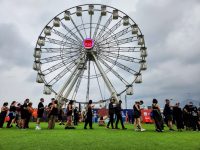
[105, 78]
[119, 65]
[77, 28]
[110, 31]
[60, 43]
[119, 42]
[122, 57]
[88, 83]
[97, 27]
[72, 83]
[120, 49]
[83, 28]
[54, 50]
[58, 66]
[73, 34]
[114, 72]
[98, 82]
[61, 74]
[90, 26]
[78, 84]
[67, 38]
[116, 35]
[55, 58]
[104, 28]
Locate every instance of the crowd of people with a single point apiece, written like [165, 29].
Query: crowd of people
[20, 114]
[187, 118]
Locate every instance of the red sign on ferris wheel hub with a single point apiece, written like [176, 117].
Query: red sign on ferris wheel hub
[88, 43]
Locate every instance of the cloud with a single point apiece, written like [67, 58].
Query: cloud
[170, 28]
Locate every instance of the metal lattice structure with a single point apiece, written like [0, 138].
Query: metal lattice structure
[90, 51]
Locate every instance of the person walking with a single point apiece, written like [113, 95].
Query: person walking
[178, 116]
[24, 113]
[168, 113]
[118, 110]
[194, 117]
[157, 117]
[111, 112]
[137, 115]
[12, 114]
[88, 119]
[40, 112]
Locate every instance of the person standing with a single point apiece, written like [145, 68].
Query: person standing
[194, 117]
[89, 115]
[69, 124]
[118, 110]
[53, 114]
[168, 113]
[111, 112]
[40, 112]
[24, 113]
[137, 115]
[76, 116]
[12, 114]
[157, 117]
[178, 116]
[3, 113]
[29, 115]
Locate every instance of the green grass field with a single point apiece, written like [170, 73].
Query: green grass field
[98, 139]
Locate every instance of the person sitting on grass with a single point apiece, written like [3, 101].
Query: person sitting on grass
[101, 121]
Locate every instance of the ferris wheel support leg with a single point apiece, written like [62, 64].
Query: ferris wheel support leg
[72, 83]
[105, 78]
[59, 95]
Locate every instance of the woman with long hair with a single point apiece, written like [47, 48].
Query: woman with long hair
[156, 115]
[137, 115]
[69, 124]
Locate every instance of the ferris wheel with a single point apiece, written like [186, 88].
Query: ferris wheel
[90, 51]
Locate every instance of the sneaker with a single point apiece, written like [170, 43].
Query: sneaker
[37, 128]
[142, 129]
[137, 129]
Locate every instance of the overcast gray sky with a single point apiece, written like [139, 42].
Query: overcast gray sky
[171, 29]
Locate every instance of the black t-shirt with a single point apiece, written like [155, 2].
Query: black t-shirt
[12, 109]
[24, 109]
[40, 108]
[118, 109]
[167, 110]
[111, 108]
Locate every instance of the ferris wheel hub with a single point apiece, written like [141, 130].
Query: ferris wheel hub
[88, 43]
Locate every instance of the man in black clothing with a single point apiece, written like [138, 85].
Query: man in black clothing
[194, 117]
[24, 113]
[40, 112]
[168, 113]
[111, 112]
[119, 115]
[76, 116]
